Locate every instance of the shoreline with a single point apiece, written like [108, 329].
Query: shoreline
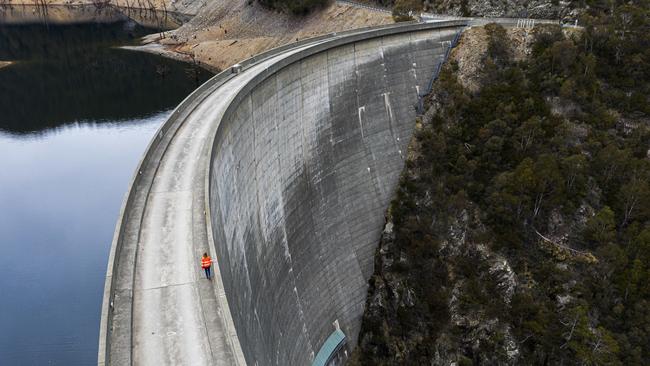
[165, 51]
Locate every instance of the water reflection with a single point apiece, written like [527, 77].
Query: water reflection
[59, 200]
[70, 73]
[75, 118]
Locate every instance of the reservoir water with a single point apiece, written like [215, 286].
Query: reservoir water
[75, 117]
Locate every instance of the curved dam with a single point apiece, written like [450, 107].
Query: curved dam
[282, 170]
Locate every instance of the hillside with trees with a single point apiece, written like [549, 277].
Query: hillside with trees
[520, 230]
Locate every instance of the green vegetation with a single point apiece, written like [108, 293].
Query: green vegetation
[295, 6]
[547, 169]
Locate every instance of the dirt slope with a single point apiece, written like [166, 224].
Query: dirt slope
[227, 31]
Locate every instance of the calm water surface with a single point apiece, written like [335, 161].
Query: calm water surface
[75, 117]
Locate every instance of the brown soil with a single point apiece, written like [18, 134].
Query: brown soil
[228, 31]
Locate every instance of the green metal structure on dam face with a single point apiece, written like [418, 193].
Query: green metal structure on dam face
[282, 172]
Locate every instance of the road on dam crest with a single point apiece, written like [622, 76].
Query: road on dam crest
[173, 304]
[282, 171]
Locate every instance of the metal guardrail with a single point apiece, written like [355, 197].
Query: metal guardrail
[151, 158]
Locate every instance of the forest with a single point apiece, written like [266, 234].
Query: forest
[520, 230]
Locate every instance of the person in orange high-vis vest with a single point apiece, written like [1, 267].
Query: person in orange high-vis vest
[206, 264]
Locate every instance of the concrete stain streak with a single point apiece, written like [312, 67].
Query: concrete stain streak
[362, 109]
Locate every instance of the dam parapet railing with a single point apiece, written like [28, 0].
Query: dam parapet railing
[121, 264]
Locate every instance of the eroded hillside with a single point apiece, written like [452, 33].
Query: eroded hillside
[225, 32]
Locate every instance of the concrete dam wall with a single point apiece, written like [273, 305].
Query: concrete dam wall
[302, 169]
[282, 170]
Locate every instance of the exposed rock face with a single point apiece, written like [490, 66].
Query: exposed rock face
[450, 265]
[459, 327]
